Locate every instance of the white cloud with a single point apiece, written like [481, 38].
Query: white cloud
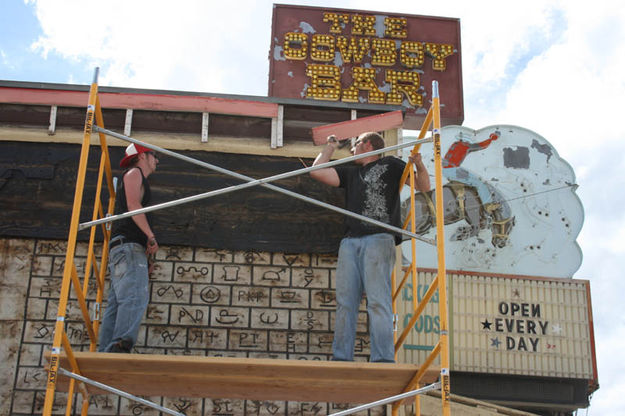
[187, 45]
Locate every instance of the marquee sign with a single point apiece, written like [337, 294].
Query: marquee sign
[507, 324]
[354, 56]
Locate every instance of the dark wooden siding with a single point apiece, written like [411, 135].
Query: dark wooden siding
[37, 182]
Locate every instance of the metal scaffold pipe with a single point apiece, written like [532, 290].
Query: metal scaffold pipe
[118, 392]
[250, 182]
[96, 73]
[434, 386]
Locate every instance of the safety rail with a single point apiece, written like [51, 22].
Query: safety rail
[94, 124]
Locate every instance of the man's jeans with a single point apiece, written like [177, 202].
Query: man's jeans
[128, 297]
[365, 263]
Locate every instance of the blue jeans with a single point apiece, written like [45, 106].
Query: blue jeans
[365, 263]
[128, 296]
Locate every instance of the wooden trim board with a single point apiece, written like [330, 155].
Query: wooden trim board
[244, 378]
[352, 128]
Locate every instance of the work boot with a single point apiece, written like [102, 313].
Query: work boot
[123, 346]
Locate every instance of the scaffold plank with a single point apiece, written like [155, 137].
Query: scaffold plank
[245, 378]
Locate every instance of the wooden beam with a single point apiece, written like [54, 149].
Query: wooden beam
[245, 378]
[352, 128]
[160, 102]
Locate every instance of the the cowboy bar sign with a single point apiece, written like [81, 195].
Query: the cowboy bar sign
[354, 56]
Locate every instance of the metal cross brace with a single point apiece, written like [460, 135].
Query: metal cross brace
[250, 182]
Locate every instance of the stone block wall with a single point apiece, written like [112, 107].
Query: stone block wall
[202, 302]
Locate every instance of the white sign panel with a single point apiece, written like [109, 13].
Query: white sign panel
[510, 204]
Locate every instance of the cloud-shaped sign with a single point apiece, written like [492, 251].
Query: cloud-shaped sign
[510, 204]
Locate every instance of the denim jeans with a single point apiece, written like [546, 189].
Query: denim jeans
[365, 263]
[128, 296]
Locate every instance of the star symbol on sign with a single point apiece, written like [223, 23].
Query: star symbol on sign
[516, 293]
[494, 342]
[486, 324]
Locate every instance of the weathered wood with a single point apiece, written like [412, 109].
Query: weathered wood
[37, 189]
[246, 378]
[353, 128]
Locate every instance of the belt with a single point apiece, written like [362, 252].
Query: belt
[116, 241]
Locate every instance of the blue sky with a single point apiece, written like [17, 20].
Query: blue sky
[552, 66]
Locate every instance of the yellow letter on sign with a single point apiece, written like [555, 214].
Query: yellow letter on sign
[363, 25]
[396, 27]
[322, 48]
[338, 21]
[364, 79]
[295, 46]
[384, 52]
[411, 54]
[404, 82]
[439, 52]
[325, 82]
[352, 50]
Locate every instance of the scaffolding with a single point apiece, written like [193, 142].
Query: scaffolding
[331, 378]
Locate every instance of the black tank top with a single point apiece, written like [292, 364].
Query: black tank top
[126, 226]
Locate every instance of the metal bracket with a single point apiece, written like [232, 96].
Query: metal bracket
[95, 312]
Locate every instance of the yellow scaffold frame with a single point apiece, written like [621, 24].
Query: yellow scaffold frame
[442, 347]
[70, 274]
[94, 123]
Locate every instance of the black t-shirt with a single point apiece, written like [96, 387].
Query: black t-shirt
[127, 226]
[372, 190]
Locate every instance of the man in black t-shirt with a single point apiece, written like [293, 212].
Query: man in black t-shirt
[367, 252]
[132, 243]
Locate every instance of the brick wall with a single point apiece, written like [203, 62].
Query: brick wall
[202, 302]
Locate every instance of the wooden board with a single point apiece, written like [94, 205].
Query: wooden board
[352, 128]
[245, 378]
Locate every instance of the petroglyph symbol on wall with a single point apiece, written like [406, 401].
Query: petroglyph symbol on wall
[222, 406]
[169, 336]
[195, 272]
[51, 248]
[154, 313]
[251, 295]
[248, 339]
[269, 320]
[325, 298]
[290, 259]
[226, 318]
[183, 404]
[31, 377]
[251, 255]
[195, 317]
[166, 289]
[273, 275]
[231, 273]
[173, 253]
[310, 320]
[210, 294]
[42, 332]
[218, 253]
[288, 296]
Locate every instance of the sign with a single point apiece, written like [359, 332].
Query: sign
[354, 56]
[510, 204]
[507, 325]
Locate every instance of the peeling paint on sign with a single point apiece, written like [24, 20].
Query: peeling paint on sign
[518, 211]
